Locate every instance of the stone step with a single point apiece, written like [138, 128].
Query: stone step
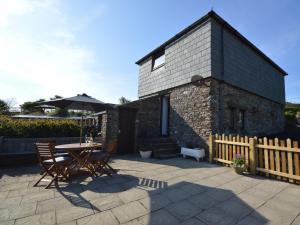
[162, 147]
[157, 140]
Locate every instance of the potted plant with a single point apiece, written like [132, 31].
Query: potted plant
[146, 152]
[239, 164]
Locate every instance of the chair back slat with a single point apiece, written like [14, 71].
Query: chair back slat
[45, 150]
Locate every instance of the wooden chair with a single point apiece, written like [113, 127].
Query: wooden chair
[56, 167]
[101, 159]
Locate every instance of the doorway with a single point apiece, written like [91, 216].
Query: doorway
[126, 132]
[165, 111]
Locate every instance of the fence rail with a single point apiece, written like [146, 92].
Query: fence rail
[270, 157]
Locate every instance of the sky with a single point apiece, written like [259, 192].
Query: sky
[67, 47]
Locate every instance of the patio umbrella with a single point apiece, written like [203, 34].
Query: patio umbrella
[79, 102]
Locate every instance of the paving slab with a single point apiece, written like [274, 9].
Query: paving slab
[183, 210]
[23, 210]
[175, 194]
[132, 195]
[192, 221]
[155, 202]
[101, 218]
[235, 208]
[106, 203]
[202, 201]
[72, 213]
[40, 219]
[296, 221]
[215, 216]
[160, 217]
[52, 204]
[129, 211]
[274, 215]
[10, 202]
[34, 197]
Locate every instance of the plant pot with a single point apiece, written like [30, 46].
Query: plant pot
[193, 152]
[238, 169]
[145, 154]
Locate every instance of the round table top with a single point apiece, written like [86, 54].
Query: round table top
[78, 146]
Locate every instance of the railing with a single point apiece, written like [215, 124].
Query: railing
[269, 157]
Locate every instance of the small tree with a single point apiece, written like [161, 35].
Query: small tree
[60, 112]
[4, 108]
[32, 107]
[123, 100]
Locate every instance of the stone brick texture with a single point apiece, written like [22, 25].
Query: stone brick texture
[110, 125]
[190, 114]
[262, 116]
[187, 56]
[147, 123]
[198, 109]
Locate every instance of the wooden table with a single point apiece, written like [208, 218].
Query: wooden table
[81, 154]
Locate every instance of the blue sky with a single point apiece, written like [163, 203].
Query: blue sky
[66, 47]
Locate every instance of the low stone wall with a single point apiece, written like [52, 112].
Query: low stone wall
[26, 145]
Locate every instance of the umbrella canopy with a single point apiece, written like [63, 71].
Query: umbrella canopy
[79, 102]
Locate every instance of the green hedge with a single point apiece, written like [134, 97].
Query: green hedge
[24, 128]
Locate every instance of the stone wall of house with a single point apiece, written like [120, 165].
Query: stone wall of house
[197, 110]
[191, 114]
[110, 125]
[261, 116]
[147, 117]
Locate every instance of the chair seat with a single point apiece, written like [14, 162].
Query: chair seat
[61, 154]
[98, 155]
[60, 159]
[97, 151]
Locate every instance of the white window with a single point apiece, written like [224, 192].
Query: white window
[158, 60]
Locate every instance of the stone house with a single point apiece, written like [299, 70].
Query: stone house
[208, 78]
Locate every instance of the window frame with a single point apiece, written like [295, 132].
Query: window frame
[155, 57]
[242, 115]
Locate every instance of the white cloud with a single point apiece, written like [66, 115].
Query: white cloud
[39, 55]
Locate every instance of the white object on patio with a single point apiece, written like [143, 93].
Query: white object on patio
[145, 154]
[196, 153]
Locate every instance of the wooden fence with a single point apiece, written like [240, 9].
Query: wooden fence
[270, 157]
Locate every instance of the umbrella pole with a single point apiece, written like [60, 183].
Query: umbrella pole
[81, 129]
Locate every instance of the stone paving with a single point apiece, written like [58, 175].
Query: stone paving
[158, 192]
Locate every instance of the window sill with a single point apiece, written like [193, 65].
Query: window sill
[158, 67]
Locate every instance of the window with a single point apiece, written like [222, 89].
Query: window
[242, 119]
[231, 117]
[158, 60]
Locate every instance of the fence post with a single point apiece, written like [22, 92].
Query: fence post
[252, 152]
[211, 148]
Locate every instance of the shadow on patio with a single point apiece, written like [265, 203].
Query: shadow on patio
[152, 193]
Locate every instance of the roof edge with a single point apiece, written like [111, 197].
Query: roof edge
[225, 24]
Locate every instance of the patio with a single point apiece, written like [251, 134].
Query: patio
[174, 191]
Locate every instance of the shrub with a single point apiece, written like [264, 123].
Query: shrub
[23, 128]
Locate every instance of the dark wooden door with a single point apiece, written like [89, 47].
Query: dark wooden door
[126, 133]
